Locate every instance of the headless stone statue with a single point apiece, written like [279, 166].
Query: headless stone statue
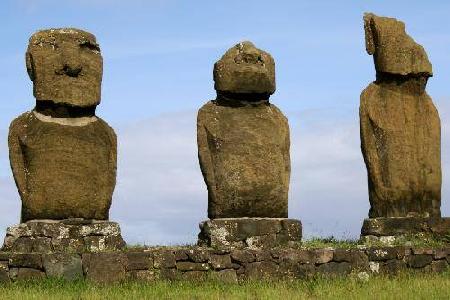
[62, 155]
[243, 143]
[400, 126]
[243, 140]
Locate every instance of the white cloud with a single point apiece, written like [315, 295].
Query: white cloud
[328, 186]
[160, 196]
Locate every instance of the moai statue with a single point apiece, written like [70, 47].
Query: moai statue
[400, 133]
[243, 149]
[62, 155]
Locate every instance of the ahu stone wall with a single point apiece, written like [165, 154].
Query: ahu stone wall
[226, 265]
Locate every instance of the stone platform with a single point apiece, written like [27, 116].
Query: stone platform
[226, 265]
[382, 228]
[70, 235]
[252, 233]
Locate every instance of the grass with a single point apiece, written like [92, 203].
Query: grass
[330, 242]
[403, 286]
[418, 240]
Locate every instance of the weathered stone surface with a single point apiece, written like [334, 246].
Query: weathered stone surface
[261, 270]
[385, 253]
[198, 255]
[105, 267]
[164, 259]
[262, 254]
[28, 274]
[143, 275]
[243, 140]
[139, 261]
[220, 251]
[275, 264]
[62, 156]
[180, 254]
[103, 243]
[169, 274]
[419, 260]
[13, 271]
[400, 126]
[45, 236]
[440, 226]
[394, 226]
[323, 255]
[219, 262]
[334, 269]
[52, 190]
[26, 260]
[394, 51]
[4, 272]
[245, 69]
[289, 267]
[428, 251]
[305, 271]
[298, 256]
[67, 266]
[68, 245]
[242, 256]
[357, 258]
[441, 253]
[253, 233]
[191, 266]
[65, 66]
[30, 244]
[291, 229]
[392, 266]
[244, 157]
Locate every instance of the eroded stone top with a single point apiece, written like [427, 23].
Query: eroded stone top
[245, 69]
[66, 66]
[393, 49]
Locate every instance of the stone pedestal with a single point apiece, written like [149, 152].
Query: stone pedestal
[250, 233]
[391, 228]
[70, 235]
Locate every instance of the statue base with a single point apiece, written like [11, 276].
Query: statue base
[253, 233]
[381, 229]
[69, 235]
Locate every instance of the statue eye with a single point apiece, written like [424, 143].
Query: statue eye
[90, 46]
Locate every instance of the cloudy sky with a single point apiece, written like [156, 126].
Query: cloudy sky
[158, 59]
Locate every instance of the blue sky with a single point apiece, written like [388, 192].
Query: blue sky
[158, 59]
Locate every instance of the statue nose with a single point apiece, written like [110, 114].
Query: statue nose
[72, 70]
[71, 62]
[251, 57]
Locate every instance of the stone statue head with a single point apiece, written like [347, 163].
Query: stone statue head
[394, 51]
[65, 66]
[245, 69]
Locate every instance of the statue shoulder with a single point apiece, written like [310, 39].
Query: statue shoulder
[20, 124]
[206, 111]
[278, 112]
[108, 130]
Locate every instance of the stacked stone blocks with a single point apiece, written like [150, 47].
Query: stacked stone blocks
[228, 265]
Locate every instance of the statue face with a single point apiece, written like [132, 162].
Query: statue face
[65, 66]
[245, 69]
